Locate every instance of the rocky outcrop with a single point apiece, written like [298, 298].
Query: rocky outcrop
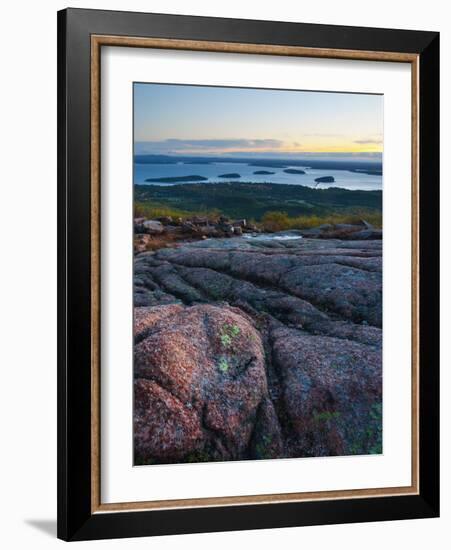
[164, 230]
[297, 281]
[258, 348]
[153, 227]
[156, 233]
[200, 386]
[362, 231]
[332, 391]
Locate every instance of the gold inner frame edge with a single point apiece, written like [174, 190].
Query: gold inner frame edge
[97, 41]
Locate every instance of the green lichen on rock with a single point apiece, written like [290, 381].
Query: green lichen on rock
[369, 440]
[263, 447]
[326, 416]
[228, 333]
[223, 365]
[226, 341]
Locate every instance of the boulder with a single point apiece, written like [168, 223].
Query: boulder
[209, 231]
[153, 227]
[368, 234]
[347, 227]
[163, 424]
[366, 224]
[228, 229]
[165, 220]
[199, 220]
[141, 242]
[173, 229]
[189, 228]
[332, 393]
[201, 390]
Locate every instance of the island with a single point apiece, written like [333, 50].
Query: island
[374, 172]
[197, 161]
[177, 179]
[263, 173]
[373, 167]
[231, 175]
[293, 171]
[263, 163]
[325, 179]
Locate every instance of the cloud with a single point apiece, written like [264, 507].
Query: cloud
[368, 141]
[177, 146]
[322, 135]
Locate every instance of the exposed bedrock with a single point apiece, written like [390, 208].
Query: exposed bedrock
[246, 348]
[201, 388]
[337, 279]
[332, 391]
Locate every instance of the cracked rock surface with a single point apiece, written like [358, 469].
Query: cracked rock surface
[258, 348]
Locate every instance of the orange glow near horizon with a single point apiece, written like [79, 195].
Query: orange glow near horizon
[349, 147]
[183, 119]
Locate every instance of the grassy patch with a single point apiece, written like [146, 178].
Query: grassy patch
[281, 221]
[152, 210]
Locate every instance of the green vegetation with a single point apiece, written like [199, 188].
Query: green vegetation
[263, 447]
[141, 461]
[325, 416]
[370, 439]
[294, 171]
[231, 175]
[199, 456]
[223, 365]
[280, 221]
[152, 210]
[226, 341]
[375, 428]
[276, 206]
[233, 330]
[228, 333]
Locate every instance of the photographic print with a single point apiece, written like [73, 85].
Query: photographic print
[257, 273]
[248, 266]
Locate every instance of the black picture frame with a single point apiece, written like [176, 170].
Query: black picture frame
[76, 521]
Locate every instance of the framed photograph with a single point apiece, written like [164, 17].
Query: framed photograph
[248, 274]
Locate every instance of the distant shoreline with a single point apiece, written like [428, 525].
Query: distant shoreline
[360, 166]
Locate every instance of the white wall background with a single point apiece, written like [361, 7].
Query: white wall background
[28, 272]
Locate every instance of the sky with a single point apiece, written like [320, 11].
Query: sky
[207, 120]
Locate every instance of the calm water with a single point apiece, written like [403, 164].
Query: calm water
[343, 178]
